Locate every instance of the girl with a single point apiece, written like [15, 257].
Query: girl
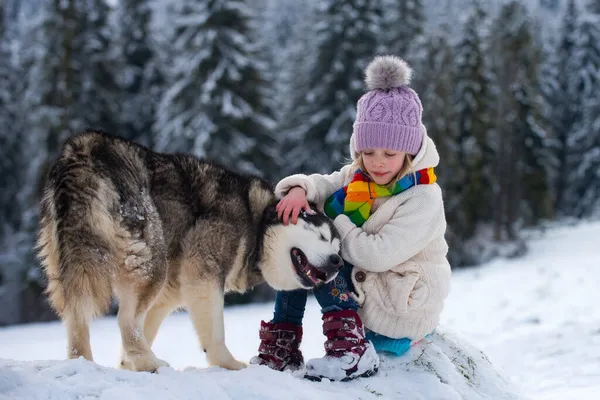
[390, 215]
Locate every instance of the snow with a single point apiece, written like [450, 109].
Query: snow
[535, 318]
[445, 368]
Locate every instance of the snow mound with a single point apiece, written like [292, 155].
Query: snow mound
[444, 367]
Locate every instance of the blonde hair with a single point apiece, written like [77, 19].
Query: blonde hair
[406, 169]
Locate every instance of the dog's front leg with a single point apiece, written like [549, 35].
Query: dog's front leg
[204, 301]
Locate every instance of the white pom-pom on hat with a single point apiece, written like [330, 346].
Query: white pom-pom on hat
[386, 72]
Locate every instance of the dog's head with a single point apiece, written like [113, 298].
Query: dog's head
[301, 255]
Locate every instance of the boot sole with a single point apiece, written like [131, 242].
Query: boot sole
[319, 378]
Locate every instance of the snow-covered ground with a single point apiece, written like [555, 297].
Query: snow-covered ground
[535, 318]
[538, 317]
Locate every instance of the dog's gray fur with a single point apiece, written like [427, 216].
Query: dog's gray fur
[162, 231]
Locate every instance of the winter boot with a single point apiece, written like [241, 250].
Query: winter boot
[279, 346]
[348, 354]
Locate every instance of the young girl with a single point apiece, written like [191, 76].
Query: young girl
[390, 215]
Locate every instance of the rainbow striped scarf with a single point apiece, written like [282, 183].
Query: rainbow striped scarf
[356, 199]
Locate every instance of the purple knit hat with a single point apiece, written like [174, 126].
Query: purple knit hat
[389, 115]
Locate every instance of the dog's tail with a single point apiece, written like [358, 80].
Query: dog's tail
[73, 242]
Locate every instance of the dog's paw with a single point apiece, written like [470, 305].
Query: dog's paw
[234, 365]
[126, 364]
[143, 362]
[219, 356]
[162, 363]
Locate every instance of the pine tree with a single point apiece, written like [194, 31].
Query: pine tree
[519, 144]
[68, 83]
[593, 6]
[288, 37]
[280, 24]
[346, 38]
[565, 101]
[293, 59]
[434, 80]
[9, 136]
[45, 115]
[404, 22]
[139, 80]
[50, 78]
[48, 100]
[5, 74]
[550, 4]
[5, 70]
[11, 166]
[585, 181]
[214, 105]
[534, 139]
[472, 102]
[95, 92]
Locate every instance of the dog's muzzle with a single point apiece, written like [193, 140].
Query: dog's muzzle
[311, 275]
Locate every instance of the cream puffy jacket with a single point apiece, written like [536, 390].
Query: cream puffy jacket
[401, 274]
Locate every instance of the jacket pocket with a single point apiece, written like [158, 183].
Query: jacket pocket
[394, 292]
[419, 295]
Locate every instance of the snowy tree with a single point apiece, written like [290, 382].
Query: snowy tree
[5, 70]
[95, 87]
[48, 98]
[214, 106]
[291, 58]
[346, 39]
[593, 6]
[48, 63]
[585, 142]
[434, 80]
[519, 144]
[68, 83]
[10, 169]
[5, 67]
[7, 136]
[46, 107]
[534, 141]
[67, 86]
[565, 100]
[279, 24]
[550, 4]
[139, 78]
[288, 38]
[404, 23]
[15, 242]
[472, 102]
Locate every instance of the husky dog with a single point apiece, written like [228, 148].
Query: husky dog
[163, 231]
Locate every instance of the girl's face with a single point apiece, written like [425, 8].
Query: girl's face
[383, 165]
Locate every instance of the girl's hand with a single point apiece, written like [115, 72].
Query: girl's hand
[293, 202]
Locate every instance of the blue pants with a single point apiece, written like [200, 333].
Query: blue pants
[332, 296]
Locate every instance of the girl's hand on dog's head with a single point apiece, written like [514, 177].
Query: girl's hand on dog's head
[292, 204]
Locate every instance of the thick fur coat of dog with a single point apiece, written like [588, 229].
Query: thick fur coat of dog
[164, 231]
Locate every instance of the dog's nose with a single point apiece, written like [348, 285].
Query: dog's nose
[336, 261]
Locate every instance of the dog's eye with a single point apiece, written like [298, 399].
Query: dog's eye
[323, 238]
